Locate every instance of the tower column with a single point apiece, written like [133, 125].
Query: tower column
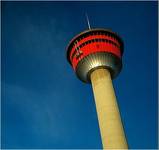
[110, 123]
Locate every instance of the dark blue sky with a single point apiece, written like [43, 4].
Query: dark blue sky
[44, 105]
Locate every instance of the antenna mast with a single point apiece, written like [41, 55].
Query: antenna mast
[88, 21]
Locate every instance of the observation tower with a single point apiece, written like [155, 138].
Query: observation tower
[96, 58]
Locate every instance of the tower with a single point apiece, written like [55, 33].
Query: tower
[96, 57]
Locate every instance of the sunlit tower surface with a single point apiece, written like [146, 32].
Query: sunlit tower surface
[96, 57]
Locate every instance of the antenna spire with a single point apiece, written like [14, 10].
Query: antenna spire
[88, 21]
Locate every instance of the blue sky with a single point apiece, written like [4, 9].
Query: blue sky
[44, 105]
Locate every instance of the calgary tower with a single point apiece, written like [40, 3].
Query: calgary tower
[96, 58]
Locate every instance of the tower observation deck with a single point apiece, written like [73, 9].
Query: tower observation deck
[96, 58]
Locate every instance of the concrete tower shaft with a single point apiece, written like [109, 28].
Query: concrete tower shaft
[110, 123]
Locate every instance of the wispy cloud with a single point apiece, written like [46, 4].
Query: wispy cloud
[41, 113]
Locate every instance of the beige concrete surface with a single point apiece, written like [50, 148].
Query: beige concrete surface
[111, 129]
